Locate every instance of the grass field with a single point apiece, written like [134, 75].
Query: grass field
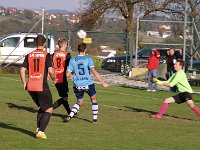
[123, 123]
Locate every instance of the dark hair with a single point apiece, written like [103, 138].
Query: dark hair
[40, 40]
[181, 62]
[82, 47]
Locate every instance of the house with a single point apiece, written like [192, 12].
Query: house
[165, 31]
[11, 11]
[72, 18]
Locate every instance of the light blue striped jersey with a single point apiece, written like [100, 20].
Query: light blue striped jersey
[81, 65]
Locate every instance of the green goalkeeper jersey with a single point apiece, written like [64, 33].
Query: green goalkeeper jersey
[180, 80]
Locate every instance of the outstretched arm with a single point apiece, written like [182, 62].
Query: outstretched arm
[165, 83]
[96, 74]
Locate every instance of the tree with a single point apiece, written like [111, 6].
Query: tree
[93, 11]
[28, 14]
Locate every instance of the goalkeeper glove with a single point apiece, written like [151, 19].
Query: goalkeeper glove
[155, 80]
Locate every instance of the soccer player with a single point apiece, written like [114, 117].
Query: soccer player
[81, 66]
[61, 60]
[179, 79]
[38, 63]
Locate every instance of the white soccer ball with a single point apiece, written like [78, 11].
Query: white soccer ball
[81, 34]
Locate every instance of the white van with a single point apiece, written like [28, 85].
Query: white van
[13, 47]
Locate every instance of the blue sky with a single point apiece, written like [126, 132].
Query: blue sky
[70, 5]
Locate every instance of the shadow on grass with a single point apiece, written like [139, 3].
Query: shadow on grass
[153, 112]
[32, 110]
[82, 119]
[13, 127]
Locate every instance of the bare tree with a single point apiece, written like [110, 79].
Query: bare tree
[94, 10]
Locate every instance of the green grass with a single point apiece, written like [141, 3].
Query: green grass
[2, 18]
[123, 121]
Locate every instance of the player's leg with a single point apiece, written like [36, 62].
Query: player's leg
[45, 100]
[39, 116]
[164, 107]
[66, 104]
[62, 89]
[95, 108]
[79, 95]
[191, 104]
[62, 101]
[35, 98]
[92, 93]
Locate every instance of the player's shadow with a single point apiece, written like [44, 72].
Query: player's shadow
[30, 109]
[13, 127]
[128, 108]
[82, 119]
[152, 112]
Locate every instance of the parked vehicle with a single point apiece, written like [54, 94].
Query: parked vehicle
[118, 63]
[14, 46]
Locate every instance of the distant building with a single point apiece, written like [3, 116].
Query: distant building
[72, 18]
[11, 11]
[165, 31]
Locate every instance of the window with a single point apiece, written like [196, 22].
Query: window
[29, 42]
[10, 42]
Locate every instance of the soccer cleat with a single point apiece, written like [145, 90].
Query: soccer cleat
[153, 90]
[148, 90]
[41, 136]
[67, 119]
[156, 116]
[95, 121]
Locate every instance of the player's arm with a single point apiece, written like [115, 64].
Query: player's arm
[96, 74]
[52, 74]
[23, 76]
[69, 69]
[68, 74]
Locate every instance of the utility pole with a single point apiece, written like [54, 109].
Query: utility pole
[42, 20]
[185, 32]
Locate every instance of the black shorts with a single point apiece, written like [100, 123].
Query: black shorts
[182, 97]
[62, 89]
[42, 99]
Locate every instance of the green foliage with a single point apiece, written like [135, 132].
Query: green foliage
[123, 121]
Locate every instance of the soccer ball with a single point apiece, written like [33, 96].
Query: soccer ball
[81, 34]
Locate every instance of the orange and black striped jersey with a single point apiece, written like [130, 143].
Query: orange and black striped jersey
[60, 61]
[37, 63]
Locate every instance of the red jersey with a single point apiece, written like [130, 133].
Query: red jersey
[59, 61]
[36, 65]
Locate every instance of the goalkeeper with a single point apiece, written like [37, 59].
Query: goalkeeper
[179, 79]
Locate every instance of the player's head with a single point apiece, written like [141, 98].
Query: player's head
[82, 47]
[179, 65]
[62, 43]
[40, 40]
